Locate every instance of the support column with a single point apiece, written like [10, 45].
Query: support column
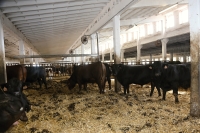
[31, 59]
[194, 18]
[138, 60]
[171, 56]
[3, 78]
[164, 48]
[21, 51]
[75, 58]
[117, 46]
[122, 55]
[93, 47]
[102, 57]
[111, 53]
[184, 58]
[82, 52]
[150, 59]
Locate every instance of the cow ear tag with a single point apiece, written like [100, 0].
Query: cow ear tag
[150, 67]
[5, 89]
[165, 67]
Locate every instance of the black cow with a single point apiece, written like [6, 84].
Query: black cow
[172, 76]
[91, 73]
[108, 74]
[126, 75]
[156, 80]
[13, 104]
[36, 74]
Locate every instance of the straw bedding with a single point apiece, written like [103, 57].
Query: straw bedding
[59, 110]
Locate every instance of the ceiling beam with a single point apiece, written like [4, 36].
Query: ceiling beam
[52, 19]
[20, 6]
[53, 56]
[55, 11]
[157, 3]
[54, 15]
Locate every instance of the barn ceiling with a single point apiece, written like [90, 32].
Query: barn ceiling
[53, 26]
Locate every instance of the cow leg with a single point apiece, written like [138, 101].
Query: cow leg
[44, 81]
[85, 86]
[40, 82]
[109, 83]
[158, 89]
[175, 93]
[80, 86]
[152, 89]
[164, 94]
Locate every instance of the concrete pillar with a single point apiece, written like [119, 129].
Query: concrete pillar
[171, 56]
[21, 50]
[194, 18]
[111, 53]
[82, 52]
[150, 59]
[164, 48]
[138, 60]
[102, 57]
[75, 58]
[184, 58]
[3, 78]
[31, 53]
[122, 55]
[93, 47]
[117, 46]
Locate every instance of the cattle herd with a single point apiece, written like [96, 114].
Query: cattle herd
[165, 75]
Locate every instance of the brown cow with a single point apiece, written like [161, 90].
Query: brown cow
[92, 73]
[16, 71]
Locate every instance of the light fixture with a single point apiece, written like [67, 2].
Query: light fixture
[168, 8]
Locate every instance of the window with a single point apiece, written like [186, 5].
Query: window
[149, 29]
[183, 16]
[142, 31]
[158, 26]
[170, 20]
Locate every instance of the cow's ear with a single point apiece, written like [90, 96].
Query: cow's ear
[165, 67]
[150, 67]
[5, 89]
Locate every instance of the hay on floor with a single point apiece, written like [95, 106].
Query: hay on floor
[61, 110]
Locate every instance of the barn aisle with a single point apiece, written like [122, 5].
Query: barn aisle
[60, 110]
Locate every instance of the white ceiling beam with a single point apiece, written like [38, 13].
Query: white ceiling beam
[57, 18]
[61, 21]
[57, 10]
[40, 16]
[53, 28]
[55, 24]
[158, 3]
[113, 8]
[38, 32]
[14, 7]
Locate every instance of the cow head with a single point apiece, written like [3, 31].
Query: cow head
[116, 68]
[157, 68]
[14, 86]
[70, 83]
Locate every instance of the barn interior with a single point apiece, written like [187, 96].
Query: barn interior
[65, 32]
